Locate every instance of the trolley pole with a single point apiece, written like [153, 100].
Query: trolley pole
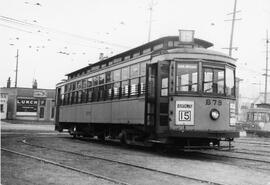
[266, 69]
[16, 71]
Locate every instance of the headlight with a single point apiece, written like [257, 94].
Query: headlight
[214, 114]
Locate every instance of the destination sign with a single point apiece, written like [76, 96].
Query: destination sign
[184, 113]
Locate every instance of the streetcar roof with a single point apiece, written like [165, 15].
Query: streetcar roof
[199, 42]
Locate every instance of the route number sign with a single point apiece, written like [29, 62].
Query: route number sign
[184, 113]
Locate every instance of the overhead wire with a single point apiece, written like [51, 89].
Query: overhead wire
[23, 23]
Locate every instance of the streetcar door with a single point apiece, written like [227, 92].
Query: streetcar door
[57, 104]
[162, 97]
[150, 97]
[157, 101]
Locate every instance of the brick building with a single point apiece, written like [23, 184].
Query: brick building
[29, 104]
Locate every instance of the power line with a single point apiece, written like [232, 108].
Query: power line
[23, 23]
[266, 69]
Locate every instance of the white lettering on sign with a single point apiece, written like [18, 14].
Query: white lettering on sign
[184, 113]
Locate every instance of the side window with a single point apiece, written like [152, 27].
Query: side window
[108, 77]
[125, 73]
[134, 71]
[142, 68]
[101, 79]
[116, 87]
[95, 81]
[134, 86]
[84, 83]
[164, 73]
[116, 75]
[89, 82]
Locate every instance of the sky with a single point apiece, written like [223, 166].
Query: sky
[55, 37]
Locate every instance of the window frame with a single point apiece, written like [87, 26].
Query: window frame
[213, 68]
[198, 82]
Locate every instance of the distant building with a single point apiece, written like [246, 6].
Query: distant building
[3, 105]
[247, 103]
[28, 104]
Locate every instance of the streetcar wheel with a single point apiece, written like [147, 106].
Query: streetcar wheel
[123, 137]
[101, 137]
[74, 132]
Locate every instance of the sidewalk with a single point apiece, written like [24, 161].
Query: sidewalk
[5, 126]
[31, 122]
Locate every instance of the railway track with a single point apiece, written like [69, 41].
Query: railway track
[126, 164]
[234, 157]
[220, 155]
[66, 167]
[251, 152]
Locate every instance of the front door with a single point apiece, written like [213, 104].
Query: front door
[157, 102]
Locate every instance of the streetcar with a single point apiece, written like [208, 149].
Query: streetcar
[258, 120]
[171, 91]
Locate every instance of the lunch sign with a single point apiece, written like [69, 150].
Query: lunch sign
[27, 106]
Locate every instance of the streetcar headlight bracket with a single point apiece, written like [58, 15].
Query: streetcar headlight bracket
[214, 114]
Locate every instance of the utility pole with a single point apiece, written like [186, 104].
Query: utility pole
[150, 20]
[232, 28]
[16, 71]
[266, 69]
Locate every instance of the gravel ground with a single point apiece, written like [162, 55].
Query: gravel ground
[19, 170]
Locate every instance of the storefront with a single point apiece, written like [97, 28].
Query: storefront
[30, 104]
[3, 105]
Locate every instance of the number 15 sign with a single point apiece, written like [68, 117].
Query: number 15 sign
[184, 113]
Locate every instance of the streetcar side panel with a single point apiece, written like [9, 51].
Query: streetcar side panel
[117, 112]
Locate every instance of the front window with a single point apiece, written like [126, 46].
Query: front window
[187, 77]
[191, 77]
[213, 81]
[230, 86]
